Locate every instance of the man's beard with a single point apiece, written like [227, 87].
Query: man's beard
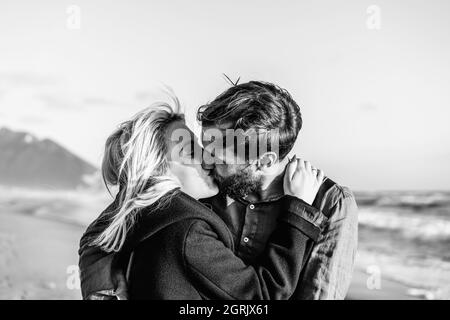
[238, 185]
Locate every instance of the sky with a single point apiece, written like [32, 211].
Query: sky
[373, 86]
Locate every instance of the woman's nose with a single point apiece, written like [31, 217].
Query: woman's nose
[207, 160]
[207, 166]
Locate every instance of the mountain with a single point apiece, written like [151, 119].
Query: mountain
[26, 161]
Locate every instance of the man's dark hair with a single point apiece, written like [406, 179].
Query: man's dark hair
[259, 106]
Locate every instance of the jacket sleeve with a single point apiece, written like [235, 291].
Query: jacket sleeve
[219, 274]
[99, 279]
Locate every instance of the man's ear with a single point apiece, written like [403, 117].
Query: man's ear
[267, 161]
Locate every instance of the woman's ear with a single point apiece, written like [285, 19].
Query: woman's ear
[267, 161]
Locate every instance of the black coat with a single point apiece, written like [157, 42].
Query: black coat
[185, 251]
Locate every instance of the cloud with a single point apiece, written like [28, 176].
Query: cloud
[144, 96]
[32, 119]
[57, 102]
[22, 79]
[101, 102]
[368, 106]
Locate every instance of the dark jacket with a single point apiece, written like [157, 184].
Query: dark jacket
[185, 251]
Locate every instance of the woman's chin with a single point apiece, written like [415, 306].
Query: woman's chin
[214, 190]
[211, 189]
[203, 194]
[202, 190]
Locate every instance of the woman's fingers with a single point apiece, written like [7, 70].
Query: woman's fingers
[291, 167]
[305, 180]
[320, 175]
[308, 165]
[297, 165]
[300, 165]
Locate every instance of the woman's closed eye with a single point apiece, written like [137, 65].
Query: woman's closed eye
[188, 152]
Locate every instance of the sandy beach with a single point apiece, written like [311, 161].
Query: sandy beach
[389, 290]
[35, 255]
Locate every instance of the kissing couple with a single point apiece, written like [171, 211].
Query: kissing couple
[228, 216]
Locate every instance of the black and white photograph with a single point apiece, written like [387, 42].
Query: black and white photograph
[224, 150]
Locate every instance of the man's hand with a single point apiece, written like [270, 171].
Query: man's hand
[301, 180]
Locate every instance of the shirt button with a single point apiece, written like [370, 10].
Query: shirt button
[246, 239]
[252, 206]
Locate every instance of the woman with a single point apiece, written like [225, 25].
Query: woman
[180, 249]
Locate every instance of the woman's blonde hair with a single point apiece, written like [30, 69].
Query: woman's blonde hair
[135, 160]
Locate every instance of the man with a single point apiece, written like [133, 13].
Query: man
[250, 193]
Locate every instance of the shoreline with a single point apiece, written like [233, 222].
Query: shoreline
[389, 289]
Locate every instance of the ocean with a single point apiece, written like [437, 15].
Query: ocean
[406, 235]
